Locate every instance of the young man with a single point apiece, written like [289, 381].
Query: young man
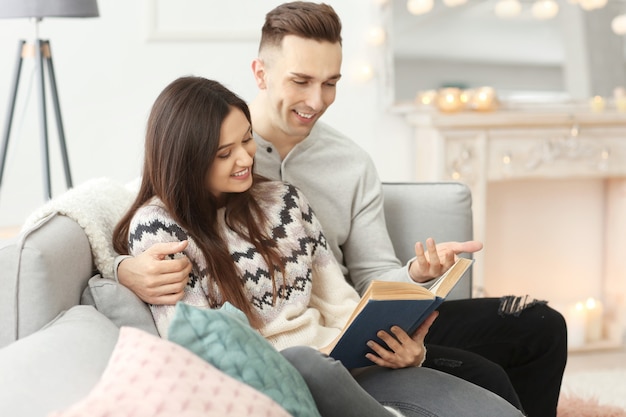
[297, 74]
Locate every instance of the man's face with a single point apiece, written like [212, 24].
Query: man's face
[300, 80]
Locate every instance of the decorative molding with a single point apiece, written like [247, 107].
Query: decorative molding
[482, 148]
[550, 151]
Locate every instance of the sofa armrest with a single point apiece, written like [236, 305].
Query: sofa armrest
[417, 210]
[44, 272]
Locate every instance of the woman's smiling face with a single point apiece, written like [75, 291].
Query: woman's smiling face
[231, 171]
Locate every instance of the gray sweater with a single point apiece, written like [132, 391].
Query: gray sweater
[342, 185]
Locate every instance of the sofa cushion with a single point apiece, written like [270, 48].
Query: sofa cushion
[149, 377]
[224, 338]
[119, 304]
[56, 366]
[415, 211]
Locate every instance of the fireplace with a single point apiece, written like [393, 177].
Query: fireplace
[549, 200]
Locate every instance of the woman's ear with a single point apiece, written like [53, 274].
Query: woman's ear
[258, 70]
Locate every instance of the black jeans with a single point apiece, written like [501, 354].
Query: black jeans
[519, 357]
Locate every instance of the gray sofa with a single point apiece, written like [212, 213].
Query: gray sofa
[60, 319]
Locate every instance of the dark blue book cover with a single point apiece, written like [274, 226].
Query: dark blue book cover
[380, 315]
[386, 304]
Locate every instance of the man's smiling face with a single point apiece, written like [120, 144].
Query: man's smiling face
[300, 80]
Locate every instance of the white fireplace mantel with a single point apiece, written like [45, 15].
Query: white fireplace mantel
[479, 148]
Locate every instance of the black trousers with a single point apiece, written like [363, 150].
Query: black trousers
[520, 357]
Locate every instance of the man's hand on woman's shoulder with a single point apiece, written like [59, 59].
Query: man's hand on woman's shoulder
[156, 276]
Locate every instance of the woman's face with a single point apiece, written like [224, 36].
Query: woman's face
[231, 171]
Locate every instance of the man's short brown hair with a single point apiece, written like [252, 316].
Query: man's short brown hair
[305, 19]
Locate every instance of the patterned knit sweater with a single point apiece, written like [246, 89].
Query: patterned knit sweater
[317, 301]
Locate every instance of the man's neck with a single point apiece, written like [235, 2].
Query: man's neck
[262, 125]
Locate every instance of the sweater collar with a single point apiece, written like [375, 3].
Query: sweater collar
[303, 145]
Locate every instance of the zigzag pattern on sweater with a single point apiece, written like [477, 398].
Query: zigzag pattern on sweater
[306, 246]
[153, 229]
[291, 227]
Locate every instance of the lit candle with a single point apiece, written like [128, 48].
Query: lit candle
[426, 98]
[576, 325]
[597, 104]
[449, 99]
[466, 97]
[593, 331]
[619, 95]
[484, 99]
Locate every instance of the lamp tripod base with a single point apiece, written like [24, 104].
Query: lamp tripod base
[40, 50]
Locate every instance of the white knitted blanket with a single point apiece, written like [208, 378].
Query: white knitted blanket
[96, 205]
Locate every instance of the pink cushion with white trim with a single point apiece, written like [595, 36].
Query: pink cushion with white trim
[149, 376]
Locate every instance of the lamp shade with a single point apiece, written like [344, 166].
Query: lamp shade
[48, 8]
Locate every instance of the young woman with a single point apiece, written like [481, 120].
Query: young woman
[257, 244]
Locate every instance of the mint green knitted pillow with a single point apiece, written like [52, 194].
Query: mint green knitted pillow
[224, 338]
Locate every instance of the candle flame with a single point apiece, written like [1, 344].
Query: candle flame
[590, 303]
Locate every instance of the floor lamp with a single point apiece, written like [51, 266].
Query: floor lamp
[40, 50]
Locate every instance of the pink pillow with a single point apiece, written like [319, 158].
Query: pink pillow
[149, 376]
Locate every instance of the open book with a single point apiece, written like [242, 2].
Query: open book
[386, 304]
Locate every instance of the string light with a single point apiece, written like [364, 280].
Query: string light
[377, 36]
[592, 4]
[454, 3]
[619, 24]
[418, 7]
[508, 8]
[364, 72]
[545, 9]
[540, 9]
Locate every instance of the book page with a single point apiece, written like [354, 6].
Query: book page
[390, 290]
[447, 281]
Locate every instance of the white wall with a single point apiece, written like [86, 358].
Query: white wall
[108, 75]
[413, 75]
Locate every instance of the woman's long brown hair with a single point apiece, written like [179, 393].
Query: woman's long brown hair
[182, 138]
